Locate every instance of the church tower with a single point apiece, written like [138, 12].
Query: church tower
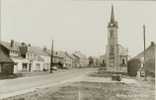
[112, 52]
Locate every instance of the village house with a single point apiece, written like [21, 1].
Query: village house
[6, 64]
[96, 61]
[38, 59]
[83, 61]
[76, 61]
[67, 59]
[149, 65]
[57, 58]
[21, 64]
[102, 60]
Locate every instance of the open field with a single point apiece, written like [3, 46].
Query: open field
[101, 91]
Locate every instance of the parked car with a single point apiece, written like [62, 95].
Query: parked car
[54, 68]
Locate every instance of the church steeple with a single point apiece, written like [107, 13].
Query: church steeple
[113, 22]
[112, 15]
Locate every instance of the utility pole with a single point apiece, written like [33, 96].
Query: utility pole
[52, 56]
[144, 65]
[0, 19]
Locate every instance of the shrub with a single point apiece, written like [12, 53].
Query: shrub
[133, 66]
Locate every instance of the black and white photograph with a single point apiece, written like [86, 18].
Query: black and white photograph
[77, 49]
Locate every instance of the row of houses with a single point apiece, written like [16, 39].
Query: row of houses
[26, 58]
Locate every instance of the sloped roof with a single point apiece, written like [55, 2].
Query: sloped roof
[4, 58]
[69, 55]
[80, 55]
[77, 57]
[40, 58]
[150, 53]
[7, 45]
[122, 51]
[61, 53]
[150, 50]
[37, 50]
[56, 53]
[72, 56]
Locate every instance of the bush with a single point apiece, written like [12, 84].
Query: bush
[133, 66]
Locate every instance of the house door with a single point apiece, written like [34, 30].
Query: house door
[24, 66]
[30, 67]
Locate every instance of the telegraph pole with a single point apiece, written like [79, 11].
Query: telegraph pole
[52, 56]
[144, 34]
[0, 19]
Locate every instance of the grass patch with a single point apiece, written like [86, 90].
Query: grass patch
[101, 91]
[104, 73]
[93, 91]
[8, 76]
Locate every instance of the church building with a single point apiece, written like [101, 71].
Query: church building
[116, 54]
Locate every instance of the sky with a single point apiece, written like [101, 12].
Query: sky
[77, 25]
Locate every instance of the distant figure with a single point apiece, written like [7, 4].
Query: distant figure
[140, 72]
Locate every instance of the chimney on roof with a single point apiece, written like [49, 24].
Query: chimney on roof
[12, 43]
[23, 49]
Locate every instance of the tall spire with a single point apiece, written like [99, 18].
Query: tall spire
[112, 15]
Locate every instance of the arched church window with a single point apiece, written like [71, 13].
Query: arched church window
[123, 61]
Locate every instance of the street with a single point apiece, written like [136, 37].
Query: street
[11, 87]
